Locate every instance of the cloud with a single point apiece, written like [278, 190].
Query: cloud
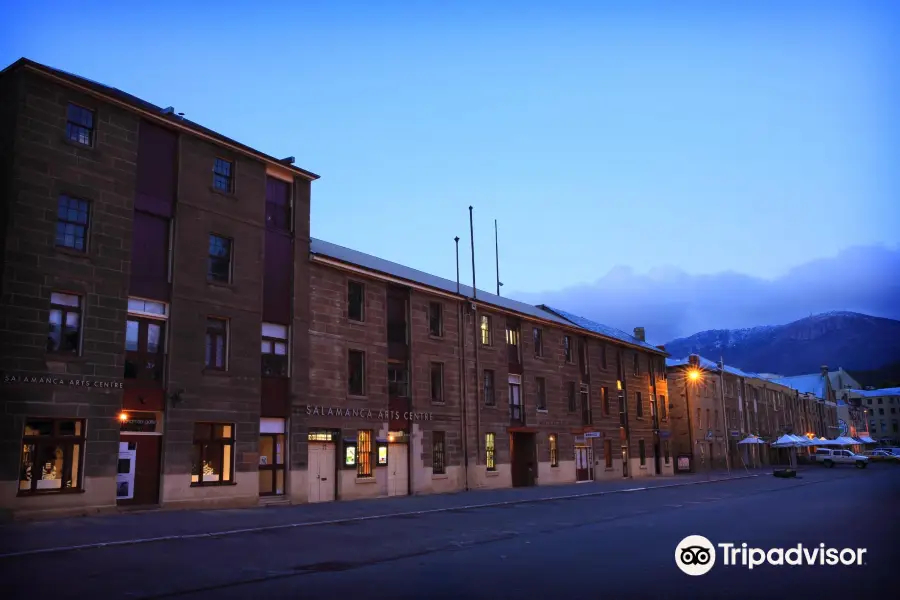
[671, 303]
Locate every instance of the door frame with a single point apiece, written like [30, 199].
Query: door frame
[274, 468]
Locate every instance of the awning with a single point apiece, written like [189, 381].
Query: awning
[752, 439]
[867, 440]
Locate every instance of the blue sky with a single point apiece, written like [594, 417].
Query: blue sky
[701, 140]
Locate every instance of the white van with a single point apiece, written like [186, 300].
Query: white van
[830, 457]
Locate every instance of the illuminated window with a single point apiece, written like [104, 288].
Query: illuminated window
[554, 452]
[213, 460]
[382, 455]
[319, 436]
[52, 451]
[274, 350]
[485, 330]
[438, 466]
[364, 453]
[489, 450]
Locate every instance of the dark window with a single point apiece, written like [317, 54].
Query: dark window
[398, 380]
[538, 342]
[640, 404]
[607, 453]
[666, 451]
[604, 401]
[223, 175]
[356, 294]
[436, 319]
[554, 451]
[144, 345]
[437, 382]
[278, 204]
[663, 408]
[541, 388]
[72, 223]
[80, 125]
[52, 452]
[587, 417]
[603, 355]
[489, 451]
[219, 259]
[438, 464]
[570, 396]
[213, 460]
[356, 373]
[274, 350]
[643, 452]
[637, 363]
[65, 324]
[567, 348]
[489, 397]
[623, 412]
[364, 453]
[216, 344]
[485, 330]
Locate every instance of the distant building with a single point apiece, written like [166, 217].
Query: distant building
[880, 410]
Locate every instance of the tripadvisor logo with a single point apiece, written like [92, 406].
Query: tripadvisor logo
[696, 555]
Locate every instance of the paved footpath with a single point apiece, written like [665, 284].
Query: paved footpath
[38, 537]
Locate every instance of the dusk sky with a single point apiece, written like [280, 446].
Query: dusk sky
[616, 147]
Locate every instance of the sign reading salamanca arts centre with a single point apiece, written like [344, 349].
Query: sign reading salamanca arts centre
[62, 381]
[363, 413]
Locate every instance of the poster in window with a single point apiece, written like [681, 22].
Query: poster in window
[382, 455]
[350, 456]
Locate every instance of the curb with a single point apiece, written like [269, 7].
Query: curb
[215, 534]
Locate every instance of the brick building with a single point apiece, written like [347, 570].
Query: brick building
[172, 337]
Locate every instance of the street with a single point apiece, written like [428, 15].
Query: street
[618, 545]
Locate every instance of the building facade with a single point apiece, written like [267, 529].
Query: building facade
[875, 413]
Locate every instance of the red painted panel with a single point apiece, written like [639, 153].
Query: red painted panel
[278, 205]
[143, 399]
[399, 407]
[275, 397]
[156, 170]
[150, 257]
[278, 278]
[146, 469]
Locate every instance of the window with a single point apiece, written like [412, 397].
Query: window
[438, 466]
[80, 125]
[219, 259]
[216, 344]
[65, 324]
[356, 301]
[356, 373]
[567, 348]
[570, 395]
[436, 319]
[639, 398]
[274, 350]
[604, 401]
[880, 411]
[717, 418]
[538, 339]
[144, 345]
[489, 450]
[398, 380]
[666, 453]
[213, 462]
[699, 421]
[541, 388]
[623, 410]
[223, 175]
[607, 453]
[72, 223]
[485, 330]
[52, 451]
[554, 451]
[603, 355]
[642, 452]
[489, 397]
[364, 454]
[437, 382]
[515, 398]
[637, 363]
[663, 408]
[709, 424]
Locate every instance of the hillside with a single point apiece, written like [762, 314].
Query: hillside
[850, 340]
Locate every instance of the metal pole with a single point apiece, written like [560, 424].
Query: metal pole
[456, 239]
[472, 240]
[724, 415]
[497, 254]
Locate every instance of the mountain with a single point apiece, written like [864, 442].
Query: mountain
[850, 340]
[885, 377]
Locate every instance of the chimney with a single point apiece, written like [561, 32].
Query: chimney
[694, 360]
[824, 370]
[661, 347]
[639, 334]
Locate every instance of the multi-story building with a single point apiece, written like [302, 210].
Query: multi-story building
[821, 401]
[171, 336]
[875, 413]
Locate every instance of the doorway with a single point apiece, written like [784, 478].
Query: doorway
[137, 476]
[398, 470]
[584, 463]
[523, 455]
[656, 458]
[271, 464]
[321, 472]
[624, 461]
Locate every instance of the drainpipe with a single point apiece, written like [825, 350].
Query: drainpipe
[724, 416]
[687, 404]
[464, 400]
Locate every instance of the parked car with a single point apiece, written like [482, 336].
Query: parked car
[830, 457]
[894, 451]
[883, 455]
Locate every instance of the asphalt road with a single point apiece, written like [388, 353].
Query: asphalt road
[614, 546]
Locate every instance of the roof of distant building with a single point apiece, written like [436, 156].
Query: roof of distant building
[604, 330]
[813, 383]
[711, 365]
[893, 391]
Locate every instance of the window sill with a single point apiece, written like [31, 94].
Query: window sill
[230, 195]
[643, 467]
[195, 484]
[438, 338]
[608, 469]
[216, 372]
[366, 480]
[440, 476]
[220, 284]
[543, 411]
[65, 358]
[356, 397]
[491, 473]
[73, 253]
[92, 148]
[35, 493]
[438, 403]
[554, 466]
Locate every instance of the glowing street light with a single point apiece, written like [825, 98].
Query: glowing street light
[693, 374]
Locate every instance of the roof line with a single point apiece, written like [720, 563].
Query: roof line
[63, 77]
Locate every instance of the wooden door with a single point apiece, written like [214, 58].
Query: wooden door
[320, 472]
[144, 476]
[398, 470]
[271, 464]
[581, 464]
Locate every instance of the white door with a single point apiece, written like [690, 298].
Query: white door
[320, 472]
[125, 471]
[398, 470]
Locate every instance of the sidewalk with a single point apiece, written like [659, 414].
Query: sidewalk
[117, 529]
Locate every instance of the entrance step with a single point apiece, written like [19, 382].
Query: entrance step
[274, 501]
